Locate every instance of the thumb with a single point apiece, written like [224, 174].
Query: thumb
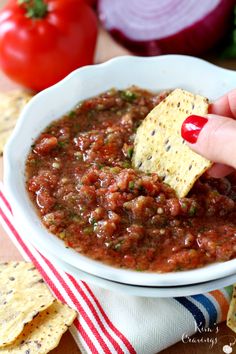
[212, 136]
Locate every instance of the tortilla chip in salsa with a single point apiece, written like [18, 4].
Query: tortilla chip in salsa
[159, 147]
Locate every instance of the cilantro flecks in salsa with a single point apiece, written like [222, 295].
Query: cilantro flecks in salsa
[80, 178]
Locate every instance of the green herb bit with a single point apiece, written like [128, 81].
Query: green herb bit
[139, 270]
[192, 211]
[115, 170]
[131, 185]
[184, 206]
[100, 166]
[130, 152]
[92, 221]
[88, 230]
[62, 144]
[128, 95]
[34, 162]
[72, 114]
[126, 164]
[215, 193]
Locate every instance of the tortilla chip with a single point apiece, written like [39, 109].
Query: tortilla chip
[44, 332]
[23, 294]
[159, 147]
[11, 104]
[231, 316]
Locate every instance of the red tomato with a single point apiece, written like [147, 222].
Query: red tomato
[92, 2]
[36, 49]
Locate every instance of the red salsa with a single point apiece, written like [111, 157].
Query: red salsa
[81, 180]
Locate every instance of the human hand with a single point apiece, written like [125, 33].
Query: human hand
[214, 135]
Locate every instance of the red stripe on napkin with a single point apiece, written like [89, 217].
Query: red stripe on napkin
[5, 201]
[82, 293]
[115, 330]
[79, 308]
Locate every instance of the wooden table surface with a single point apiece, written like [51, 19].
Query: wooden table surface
[9, 252]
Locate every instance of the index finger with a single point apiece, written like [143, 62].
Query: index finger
[225, 105]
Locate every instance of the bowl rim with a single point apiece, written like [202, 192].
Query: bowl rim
[144, 291]
[56, 246]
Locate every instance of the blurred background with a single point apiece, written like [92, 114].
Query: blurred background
[41, 41]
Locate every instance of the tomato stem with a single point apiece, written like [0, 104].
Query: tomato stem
[34, 8]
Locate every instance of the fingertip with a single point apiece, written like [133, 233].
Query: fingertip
[219, 170]
[225, 105]
[216, 141]
[220, 107]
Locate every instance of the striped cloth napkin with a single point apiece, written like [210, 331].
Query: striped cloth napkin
[112, 323]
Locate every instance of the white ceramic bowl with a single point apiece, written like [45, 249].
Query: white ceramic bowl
[146, 291]
[155, 73]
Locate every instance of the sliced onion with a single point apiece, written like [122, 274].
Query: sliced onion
[153, 27]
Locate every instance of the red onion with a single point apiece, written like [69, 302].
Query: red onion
[152, 27]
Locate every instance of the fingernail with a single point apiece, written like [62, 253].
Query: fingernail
[191, 128]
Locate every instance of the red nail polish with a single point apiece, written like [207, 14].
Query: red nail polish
[191, 128]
